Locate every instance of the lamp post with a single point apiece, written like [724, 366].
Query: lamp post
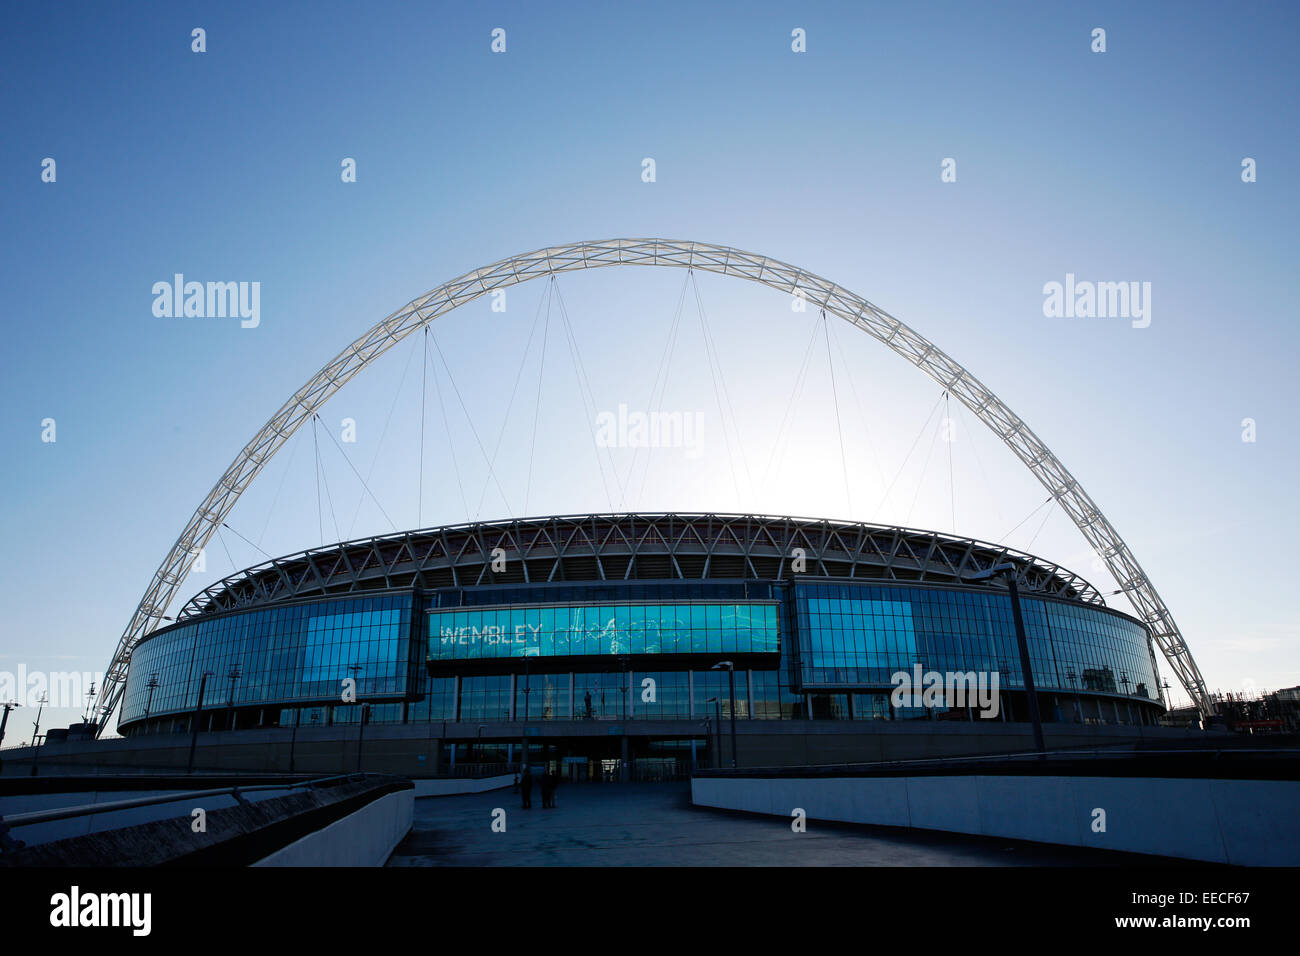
[153, 686]
[8, 706]
[234, 675]
[731, 678]
[194, 729]
[1073, 678]
[356, 670]
[1022, 644]
[36, 731]
[361, 732]
[717, 726]
[523, 730]
[623, 687]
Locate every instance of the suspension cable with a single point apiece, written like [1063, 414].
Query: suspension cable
[519, 374]
[378, 447]
[226, 548]
[1007, 536]
[288, 465]
[975, 451]
[585, 393]
[857, 401]
[245, 540]
[446, 423]
[908, 457]
[537, 404]
[469, 420]
[1042, 524]
[717, 394]
[665, 364]
[320, 520]
[795, 392]
[424, 386]
[329, 498]
[839, 427]
[950, 439]
[920, 482]
[358, 474]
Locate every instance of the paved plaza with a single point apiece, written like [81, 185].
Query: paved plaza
[656, 825]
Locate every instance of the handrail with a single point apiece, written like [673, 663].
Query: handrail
[65, 813]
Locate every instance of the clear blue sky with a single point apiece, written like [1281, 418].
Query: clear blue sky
[225, 166]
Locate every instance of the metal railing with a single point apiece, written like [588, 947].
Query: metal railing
[11, 821]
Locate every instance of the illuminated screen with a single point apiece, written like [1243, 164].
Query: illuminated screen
[632, 628]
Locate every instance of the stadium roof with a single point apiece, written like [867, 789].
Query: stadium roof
[618, 547]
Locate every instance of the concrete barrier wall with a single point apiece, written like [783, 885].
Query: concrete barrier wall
[1245, 822]
[408, 749]
[363, 838]
[458, 785]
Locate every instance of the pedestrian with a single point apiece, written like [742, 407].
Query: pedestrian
[548, 788]
[555, 785]
[526, 788]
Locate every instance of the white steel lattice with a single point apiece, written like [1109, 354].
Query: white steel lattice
[914, 347]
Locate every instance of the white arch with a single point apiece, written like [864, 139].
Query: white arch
[707, 257]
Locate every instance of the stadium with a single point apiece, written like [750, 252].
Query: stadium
[630, 645]
[642, 645]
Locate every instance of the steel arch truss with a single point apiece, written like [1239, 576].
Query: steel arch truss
[782, 276]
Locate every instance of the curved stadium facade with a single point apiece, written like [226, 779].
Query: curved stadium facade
[547, 624]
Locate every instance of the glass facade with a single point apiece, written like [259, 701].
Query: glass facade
[473, 633]
[809, 649]
[275, 655]
[860, 635]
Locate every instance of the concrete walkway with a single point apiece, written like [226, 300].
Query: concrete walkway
[656, 825]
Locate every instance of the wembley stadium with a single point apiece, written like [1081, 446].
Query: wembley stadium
[603, 642]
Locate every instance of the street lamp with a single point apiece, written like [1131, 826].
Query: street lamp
[90, 700]
[234, 675]
[153, 686]
[194, 733]
[356, 670]
[527, 685]
[731, 677]
[717, 726]
[8, 706]
[1022, 644]
[361, 731]
[623, 687]
[36, 731]
[523, 730]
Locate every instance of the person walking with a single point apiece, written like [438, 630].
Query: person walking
[548, 789]
[526, 788]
